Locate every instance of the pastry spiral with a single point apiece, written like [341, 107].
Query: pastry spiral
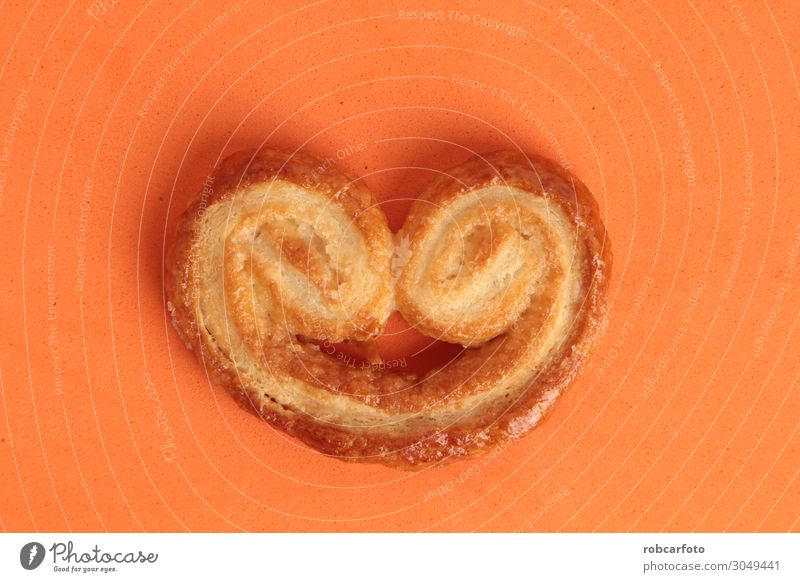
[504, 255]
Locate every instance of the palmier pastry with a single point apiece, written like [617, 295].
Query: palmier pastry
[504, 255]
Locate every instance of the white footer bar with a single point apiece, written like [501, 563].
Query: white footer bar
[401, 557]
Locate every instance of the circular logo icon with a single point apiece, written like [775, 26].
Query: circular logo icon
[31, 555]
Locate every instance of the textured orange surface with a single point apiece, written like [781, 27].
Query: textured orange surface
[683, 122]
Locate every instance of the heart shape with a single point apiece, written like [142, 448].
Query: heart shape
[285, 255]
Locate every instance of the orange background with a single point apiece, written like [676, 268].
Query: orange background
[112, 114]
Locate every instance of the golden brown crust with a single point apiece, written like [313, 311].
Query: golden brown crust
[286, 250]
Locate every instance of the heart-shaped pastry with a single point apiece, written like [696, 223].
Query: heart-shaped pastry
[284, 256]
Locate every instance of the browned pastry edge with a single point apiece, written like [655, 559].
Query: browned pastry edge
[534, 174]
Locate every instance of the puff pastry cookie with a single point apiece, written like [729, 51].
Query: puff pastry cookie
[504, 254]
